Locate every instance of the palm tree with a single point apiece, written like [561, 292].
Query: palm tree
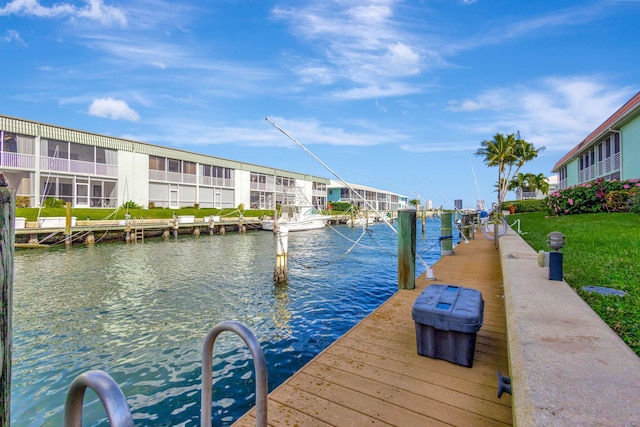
[539, 182]
[509, 154]
[519, 183]
[415, 203]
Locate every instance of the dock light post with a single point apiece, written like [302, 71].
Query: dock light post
[556, 242]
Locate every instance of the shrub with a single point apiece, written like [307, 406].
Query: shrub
[596, 196]
[52, 202]
[341, 206]
[130, 204]
[529, 205]
[23, 201]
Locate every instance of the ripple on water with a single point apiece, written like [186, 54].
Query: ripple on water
[141, 312]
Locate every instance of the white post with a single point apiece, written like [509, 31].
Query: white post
[281, 272]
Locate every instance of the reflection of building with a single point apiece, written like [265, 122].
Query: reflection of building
[611, 151]
[379, 199]
[91, 170]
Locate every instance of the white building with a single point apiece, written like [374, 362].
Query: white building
[355, 194]
[91, 170]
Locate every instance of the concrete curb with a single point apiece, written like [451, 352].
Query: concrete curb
[567, 366]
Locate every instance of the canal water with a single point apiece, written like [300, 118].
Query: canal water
[140, 312]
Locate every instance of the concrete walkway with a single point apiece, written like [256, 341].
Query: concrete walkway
[568, 368]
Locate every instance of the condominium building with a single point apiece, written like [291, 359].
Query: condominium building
[611, 151]
[364, 197]
[90, 170]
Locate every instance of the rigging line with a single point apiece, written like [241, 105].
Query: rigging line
[330, 170]
[351, 240]
[46, 183]
[332, 261]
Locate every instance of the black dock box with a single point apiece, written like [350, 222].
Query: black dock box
[447, 319]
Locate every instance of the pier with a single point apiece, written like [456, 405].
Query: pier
[51, 230]
[566, 366]
[374, 376]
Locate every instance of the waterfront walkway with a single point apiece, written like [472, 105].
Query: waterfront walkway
[374, 376]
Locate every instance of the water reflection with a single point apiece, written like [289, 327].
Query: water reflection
[281, 314]
[141, 312]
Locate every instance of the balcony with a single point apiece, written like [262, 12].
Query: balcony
[17, 160]
[55, 164]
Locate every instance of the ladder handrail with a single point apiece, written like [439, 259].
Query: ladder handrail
[112, 398]
[259, 363]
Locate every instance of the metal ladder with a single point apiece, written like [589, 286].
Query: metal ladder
[259, 362]
[115, 403]
[110, 395]
[138, 234]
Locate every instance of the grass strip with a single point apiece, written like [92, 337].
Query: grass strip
[600, 249]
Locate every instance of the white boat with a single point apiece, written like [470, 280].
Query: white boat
[298, 218]
[360, 221]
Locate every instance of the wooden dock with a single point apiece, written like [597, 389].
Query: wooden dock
[374, 376]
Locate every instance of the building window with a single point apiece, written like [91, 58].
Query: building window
[174, 165]
[157, 163]
[189, 168]
[562, 178]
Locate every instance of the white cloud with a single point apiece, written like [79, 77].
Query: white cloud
[34, 8]
[114, 109]
[362, 45]
[439, 147]
[94, 10]
[556, 112]
[374, 91]
[12, 36]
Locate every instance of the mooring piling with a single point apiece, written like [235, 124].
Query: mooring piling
[281, 272]
[7, 240]
[406, 249]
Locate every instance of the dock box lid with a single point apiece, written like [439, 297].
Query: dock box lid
[449, 308]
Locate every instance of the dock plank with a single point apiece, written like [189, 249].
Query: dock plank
[374, 376]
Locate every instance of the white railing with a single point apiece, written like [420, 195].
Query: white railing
[76, 166]
[17, 160]
[609, 165]
[217, 181]
[189, 178]
[174, 176]
[157, 175]
[262, 186]
[587, 174]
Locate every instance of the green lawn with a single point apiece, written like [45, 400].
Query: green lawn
[31, 214]
[602, 250]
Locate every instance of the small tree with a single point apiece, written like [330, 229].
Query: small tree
[508, 153]
[415, 203]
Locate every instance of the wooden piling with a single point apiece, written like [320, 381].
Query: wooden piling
[67, 228]
[406, 249]
[275, 220]
[90, 239]
[446, 234]
[281, 271]
[7, 241]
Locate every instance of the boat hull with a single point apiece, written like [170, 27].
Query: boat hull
[302, 225]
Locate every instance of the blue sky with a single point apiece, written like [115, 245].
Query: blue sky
[396, 95]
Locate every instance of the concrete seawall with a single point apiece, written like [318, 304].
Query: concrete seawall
[567, 366]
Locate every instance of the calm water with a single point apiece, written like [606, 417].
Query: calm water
[141, 311]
